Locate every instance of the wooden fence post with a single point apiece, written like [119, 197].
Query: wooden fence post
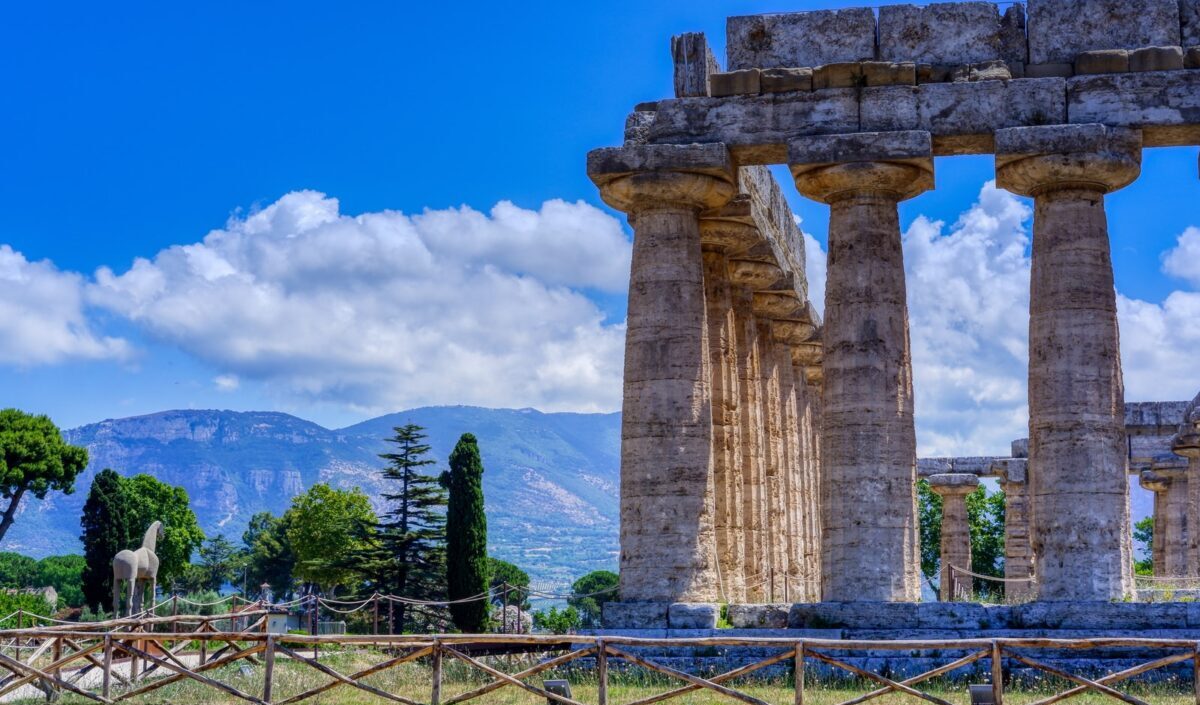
[269, 669]
[55, 655]
[107, 684]
[204, 626]
[375, 609]
[1196, 672]
[800, 673]
[435, 695]
[504, 608]
[391, 616]
[997, 675]
[20, 625]
[601, 673]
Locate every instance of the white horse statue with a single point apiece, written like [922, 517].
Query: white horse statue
[137, 568]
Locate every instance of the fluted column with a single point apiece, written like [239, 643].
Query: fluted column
[806, 366]
[1018, 551]
[953, 488]
[776, 519]
[753, 460]
[1077, 451]
[667, 505]
[1170, 487]
[868, 453]
[1186, 444]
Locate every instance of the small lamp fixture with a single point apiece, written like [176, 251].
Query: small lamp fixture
[981, 694]
[558, 687]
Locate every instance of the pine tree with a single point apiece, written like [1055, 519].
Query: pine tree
[466, 537]
[105, 532]
[405, 551]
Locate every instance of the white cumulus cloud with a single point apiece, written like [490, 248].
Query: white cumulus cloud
[1183, 260]
[43, 318]
[386, 310]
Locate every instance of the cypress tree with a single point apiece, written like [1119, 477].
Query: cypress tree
[467, 566]
[105, 532]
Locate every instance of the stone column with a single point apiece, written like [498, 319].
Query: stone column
[1077, 448]
[1186, 443]
[753, 462]
[667, 529]
[806, 366]
[1018, 551]
[1169, 483]
[953, 488]
[868, 445]
[776, 517]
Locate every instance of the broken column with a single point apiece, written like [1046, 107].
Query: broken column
[1018, 551]
[868, 445]
[667, 527]
[953, 488]
[1077, 447]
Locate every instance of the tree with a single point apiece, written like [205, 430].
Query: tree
[105, 532]
[65, 575]
[269, 555]
[466, 538]
[324, 528]
[1143, 534]
[151, 500]
[17, 571]
[985, 519]
[556, 622]
[405, 554]
[34, 459]
[589, 593]
[219, 563]
[508, 574]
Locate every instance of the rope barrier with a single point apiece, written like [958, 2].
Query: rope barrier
[993, 578]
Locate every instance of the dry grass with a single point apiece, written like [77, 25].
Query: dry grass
[413, 680]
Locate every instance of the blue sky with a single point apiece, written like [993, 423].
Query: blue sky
[140, 127]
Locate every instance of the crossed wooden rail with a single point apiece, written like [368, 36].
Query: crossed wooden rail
[158, 659]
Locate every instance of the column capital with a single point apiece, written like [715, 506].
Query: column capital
[727, 235]
[647, 177]
[894, 165]
[1186, 443]
[1034, 160]
[1154, 481]
[953, 483]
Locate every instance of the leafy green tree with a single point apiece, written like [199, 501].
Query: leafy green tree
[65, 575]
[16, 570]
[105, 532]
[34, 459]
[589, 593]
[269, 555]
[504, 573]
[557, 622]
[151, 500]
[406, 553]
[466, 537]
[1143, 534]
[324, 527]
[985, 519]
[219, 563]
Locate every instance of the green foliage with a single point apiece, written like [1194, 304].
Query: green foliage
[324, 527]
[405, 554]
[150, 500]
[1143, 535]
[556, 621]
[220, 563]
[589, 594]
[63, 573]
[16, 570]
[105, 532]
[269, 555]
[466, 537]
[505, 573]
[985, 517]
[34, 459]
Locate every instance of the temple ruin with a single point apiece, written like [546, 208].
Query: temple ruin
[769, 456]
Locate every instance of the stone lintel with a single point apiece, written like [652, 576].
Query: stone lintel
[1164, 104]
[981, 466]
[940, 33]
[1061, 29]
[793, 39]
[1155, 415]
[908, 147]
[1012, 470]
[1020, 448]
[1169, 466]
[1016, 143]
[953, 483]
[611, 163]
[777, 225]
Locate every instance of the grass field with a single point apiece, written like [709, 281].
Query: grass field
[413, 681]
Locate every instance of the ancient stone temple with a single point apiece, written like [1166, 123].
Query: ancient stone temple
[769, 456]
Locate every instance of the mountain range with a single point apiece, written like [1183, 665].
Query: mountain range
[550, 479]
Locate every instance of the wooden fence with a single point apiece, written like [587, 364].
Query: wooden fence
[82, 659]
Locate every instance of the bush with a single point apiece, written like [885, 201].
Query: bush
[557, 622]
[28, 603]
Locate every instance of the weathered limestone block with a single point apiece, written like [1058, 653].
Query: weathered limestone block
[1189, 21]
[845, 74]
[941, 33]
[752, 460]
[1186, 443]
[858, 615]
[744, 82]
[1191, 58]
[800, 38]
[990, 71]
[691, 615]
[953, 488]
[667, 533]
[1165, 105]
[1018, 548]
[784, 80]
[769, 616]
[1058, 69]
[772, 215]
[756, 128]
[868, 451]
[635, 615]
[887, 73]
[1099, 615]
[637, 127]
[694, 63]
[1014, 47]
[962, 116]
[1076, 396]
[1156, 59]
[1169, 483]
[1102, 61]
[1061, 29]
